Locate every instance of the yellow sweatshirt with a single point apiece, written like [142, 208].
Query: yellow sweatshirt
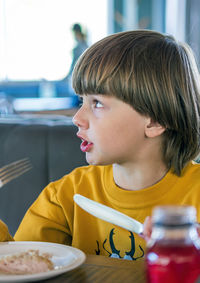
[54, 217]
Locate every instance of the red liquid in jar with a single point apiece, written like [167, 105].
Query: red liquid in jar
[167, 264]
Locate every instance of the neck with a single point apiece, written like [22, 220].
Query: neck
[139, 176]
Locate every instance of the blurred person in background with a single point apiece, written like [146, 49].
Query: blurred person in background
[80, 47]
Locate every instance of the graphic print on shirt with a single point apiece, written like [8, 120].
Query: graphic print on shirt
[116, 253]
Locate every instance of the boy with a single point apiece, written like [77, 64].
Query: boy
[139, 125]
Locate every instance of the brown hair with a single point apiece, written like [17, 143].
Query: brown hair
[157, 76]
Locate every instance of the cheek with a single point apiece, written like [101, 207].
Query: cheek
[104, 136]
[127, 135]
[113, 138]
[118, 132]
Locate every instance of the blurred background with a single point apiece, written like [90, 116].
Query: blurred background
[38, 41]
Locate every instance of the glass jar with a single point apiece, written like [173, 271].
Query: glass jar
[173, 251]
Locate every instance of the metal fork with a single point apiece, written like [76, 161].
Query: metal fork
[14, 170]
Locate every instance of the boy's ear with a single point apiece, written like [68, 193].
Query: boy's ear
[153, 129]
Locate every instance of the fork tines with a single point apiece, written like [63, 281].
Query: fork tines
[14, 170]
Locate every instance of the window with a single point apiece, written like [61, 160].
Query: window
[36, 37]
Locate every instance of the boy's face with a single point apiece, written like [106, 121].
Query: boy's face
[111, 130]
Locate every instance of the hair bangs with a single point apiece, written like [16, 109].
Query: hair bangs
[90, 80]
[102, 70]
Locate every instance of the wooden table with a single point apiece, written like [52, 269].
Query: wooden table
[100, 269]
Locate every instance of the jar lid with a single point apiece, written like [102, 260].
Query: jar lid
[174, 215]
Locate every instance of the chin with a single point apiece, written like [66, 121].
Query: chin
[92, 162]
[96, 162]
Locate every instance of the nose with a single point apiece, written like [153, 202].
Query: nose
[75, 119]
[79, 119]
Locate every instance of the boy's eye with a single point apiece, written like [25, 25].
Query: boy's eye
[97, 104]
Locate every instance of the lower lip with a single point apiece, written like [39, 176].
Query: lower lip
[85, 146]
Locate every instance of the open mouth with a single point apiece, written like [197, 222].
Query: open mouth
[86, 146]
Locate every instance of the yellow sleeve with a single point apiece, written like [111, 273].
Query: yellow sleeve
[45, 220]
[4, 233]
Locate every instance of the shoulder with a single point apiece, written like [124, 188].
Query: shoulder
[191, 175]
[82, 176]
[83, 180]
[192, 169]
[85, 172]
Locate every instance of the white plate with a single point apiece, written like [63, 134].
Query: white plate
[65, 258]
